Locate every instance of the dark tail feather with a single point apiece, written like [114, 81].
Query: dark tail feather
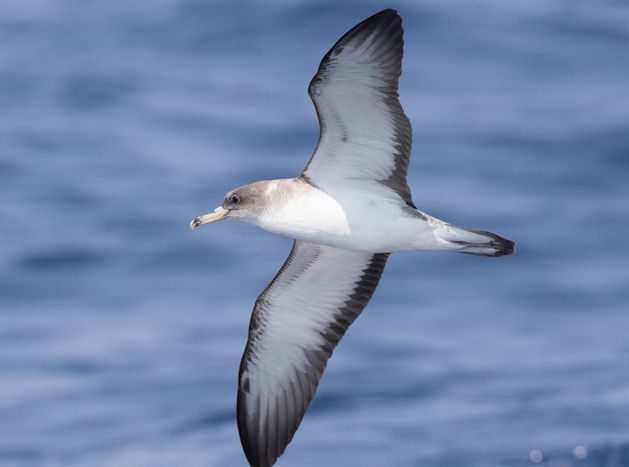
[478, 242]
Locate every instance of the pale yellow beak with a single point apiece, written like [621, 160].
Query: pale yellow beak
[218, 214]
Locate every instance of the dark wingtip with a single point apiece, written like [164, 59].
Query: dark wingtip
[386, 11]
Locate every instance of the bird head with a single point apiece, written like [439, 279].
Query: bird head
[244, 202]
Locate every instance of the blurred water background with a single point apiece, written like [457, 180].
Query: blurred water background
[121, 330]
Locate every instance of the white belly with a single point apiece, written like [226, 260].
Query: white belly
[354, 219]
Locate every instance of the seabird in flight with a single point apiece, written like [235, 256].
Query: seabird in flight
[347, 212]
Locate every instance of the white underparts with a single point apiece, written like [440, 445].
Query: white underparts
[365, 217]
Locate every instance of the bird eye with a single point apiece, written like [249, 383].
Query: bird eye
[235, 199]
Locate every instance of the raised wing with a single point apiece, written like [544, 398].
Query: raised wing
[296, 323]
[364, 133]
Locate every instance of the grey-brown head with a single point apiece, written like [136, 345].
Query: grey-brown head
[245, 202]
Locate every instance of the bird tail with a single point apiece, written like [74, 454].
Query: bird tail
[473, 241]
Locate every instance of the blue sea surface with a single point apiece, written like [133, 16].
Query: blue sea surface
[121, 330]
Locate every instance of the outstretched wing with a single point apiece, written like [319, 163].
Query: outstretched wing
[296, 323]
[364, 134]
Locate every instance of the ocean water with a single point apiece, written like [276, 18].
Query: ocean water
[121, 330]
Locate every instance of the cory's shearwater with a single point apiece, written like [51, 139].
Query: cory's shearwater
[348, 211]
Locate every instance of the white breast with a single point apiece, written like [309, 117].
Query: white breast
[305, 212]
[345, 216]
